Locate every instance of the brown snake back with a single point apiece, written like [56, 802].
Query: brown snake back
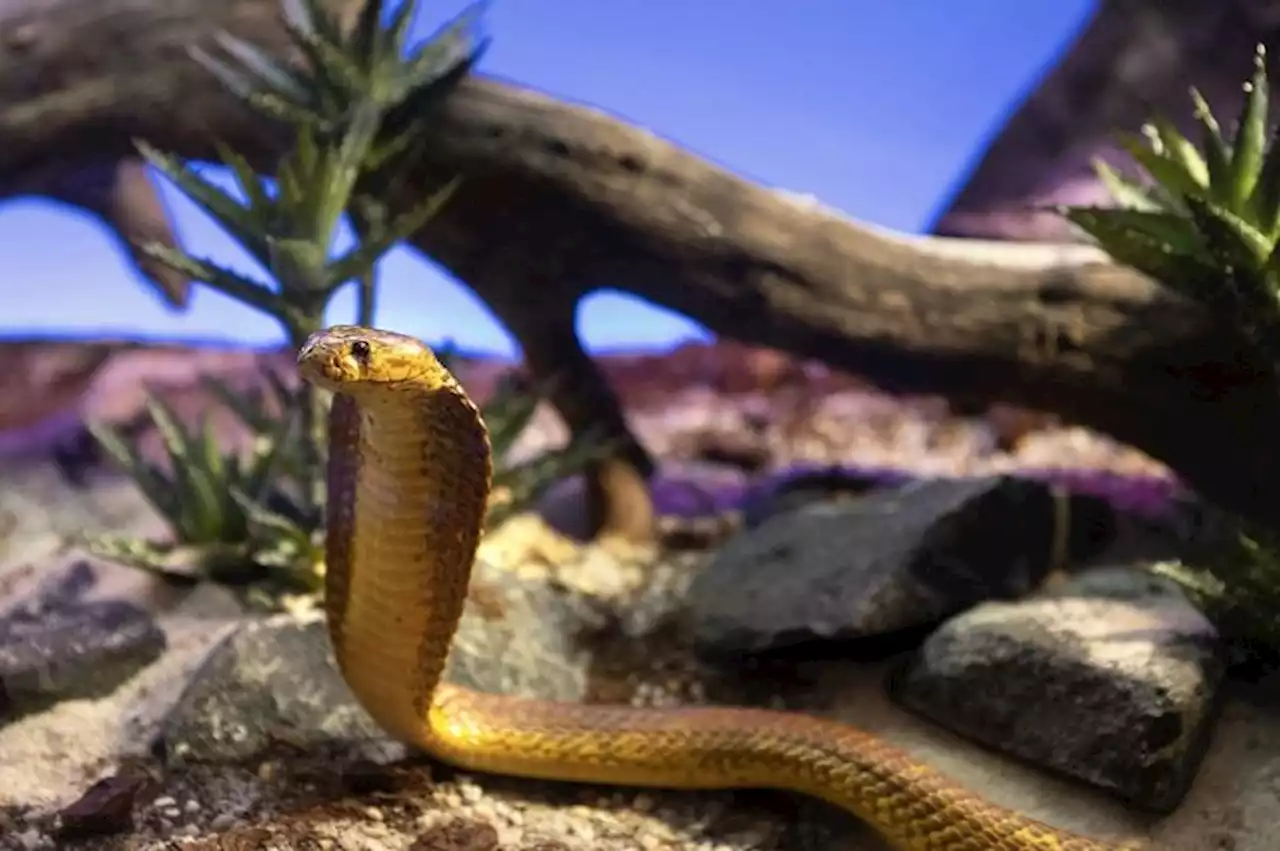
[409, 475]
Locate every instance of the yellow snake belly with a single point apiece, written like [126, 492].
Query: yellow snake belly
[409, 474]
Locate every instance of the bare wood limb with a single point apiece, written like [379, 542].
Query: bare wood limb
[560, 199]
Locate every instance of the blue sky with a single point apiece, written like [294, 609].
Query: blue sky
[876, 108]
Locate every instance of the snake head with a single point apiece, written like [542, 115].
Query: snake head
[350, 359]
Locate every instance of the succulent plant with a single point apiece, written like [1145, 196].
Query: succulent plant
[254, 520]
[257, 516]
[1206, 223]
[239, 518]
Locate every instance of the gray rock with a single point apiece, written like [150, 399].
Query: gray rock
[891, 560]
[276, 681]
[1113, 679]
[268, 682]
[58, 646]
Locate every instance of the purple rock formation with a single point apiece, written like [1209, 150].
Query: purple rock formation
[1134, 59]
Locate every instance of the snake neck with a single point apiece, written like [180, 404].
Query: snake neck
[408, 489]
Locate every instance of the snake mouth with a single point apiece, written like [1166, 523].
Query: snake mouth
[318, 367]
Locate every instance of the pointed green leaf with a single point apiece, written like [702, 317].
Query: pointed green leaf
[173, 436]
[1265, 201]
[1168, 173]
[449, 48]
[265, 463]
[236, 81]
[333, 68]
[177, 446]
[1229, 238]
[1216, 155]
[400, 25]
[265, 72]
[250, 183]
[291, 192]
[211, 457]
[229, 283]
[364, 256]
[326, 89]
[367, 34]
[1173, 229]
[387, 147]
[1153, 257]
[124, 455]
[324, 23]
[299, 172]
[216, 202]
[156, 487]
[298, 16]
[202, 518]
[360, 135]
[269, 520]
[1251, 135]
[259, 212]
[285, 111]
[270, 457]
[1127, 193]
[1240, 254]
[1273, 262]
[1181, 151]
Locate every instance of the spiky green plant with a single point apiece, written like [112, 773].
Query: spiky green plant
[356, 103]
[1206, 224]
[237, 518]
[336, 101]
[248, 520]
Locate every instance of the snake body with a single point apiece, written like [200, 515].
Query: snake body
[409, 474]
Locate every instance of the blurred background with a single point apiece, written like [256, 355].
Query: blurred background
[964, 118]
[878, 109]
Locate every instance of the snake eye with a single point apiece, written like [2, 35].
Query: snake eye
[361, 351]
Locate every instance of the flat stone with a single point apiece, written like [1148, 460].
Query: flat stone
[57, 646]
[892, 560]
[276, 681]
[1112, 679]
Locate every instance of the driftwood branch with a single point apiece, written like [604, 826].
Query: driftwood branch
[560, 199]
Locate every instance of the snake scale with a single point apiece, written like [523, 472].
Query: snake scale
[409, 474]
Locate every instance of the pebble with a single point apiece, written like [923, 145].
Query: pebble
[223, 821]
[32, 839]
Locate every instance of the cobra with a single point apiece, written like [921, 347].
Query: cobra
[409, 474]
